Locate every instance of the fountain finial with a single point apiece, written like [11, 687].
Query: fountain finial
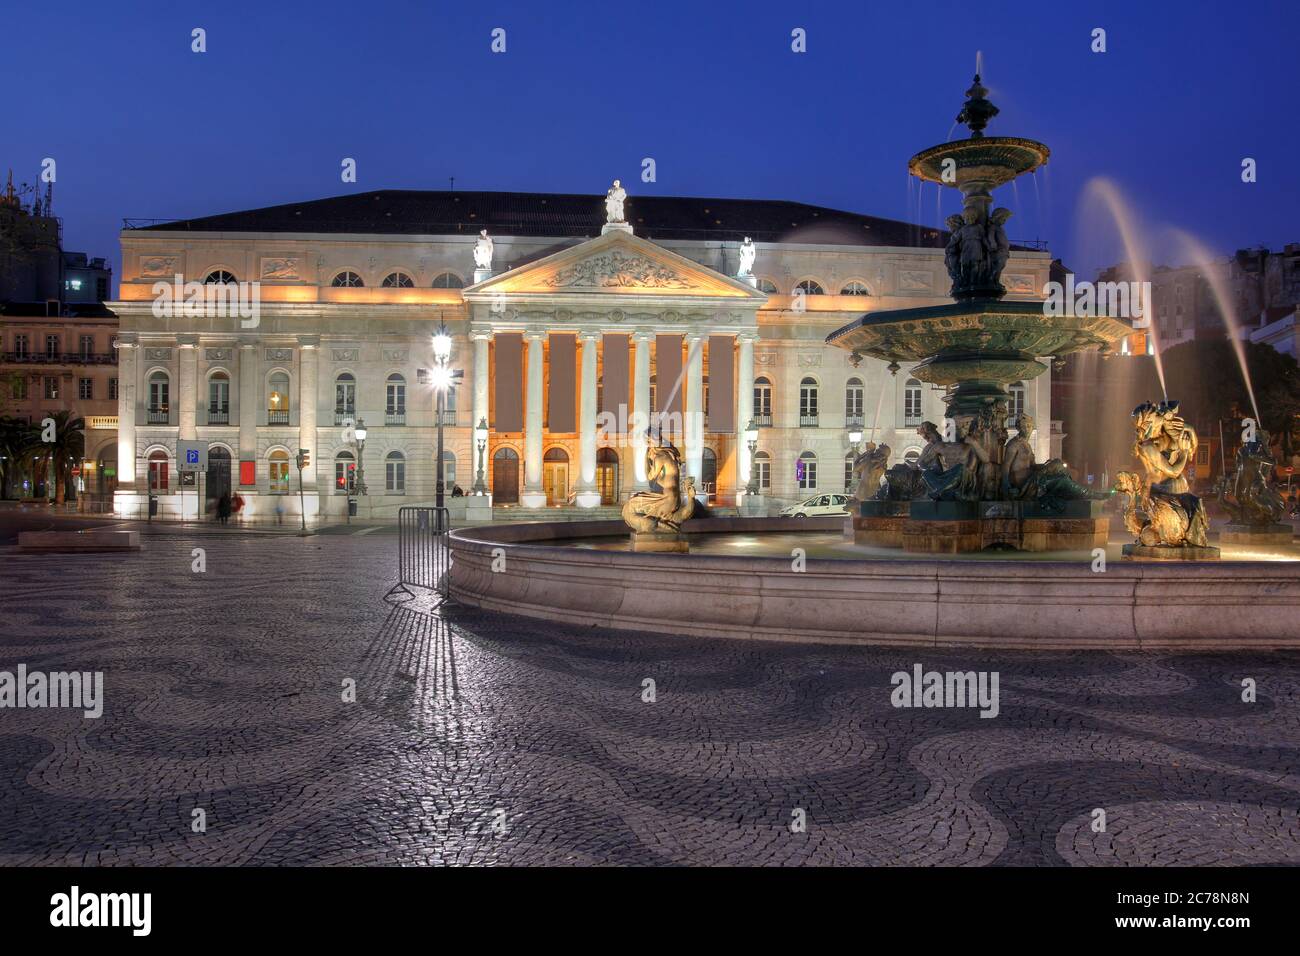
[977, 110]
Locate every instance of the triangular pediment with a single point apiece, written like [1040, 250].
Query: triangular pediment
[616, 263]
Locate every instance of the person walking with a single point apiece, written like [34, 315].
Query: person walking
[223, 508]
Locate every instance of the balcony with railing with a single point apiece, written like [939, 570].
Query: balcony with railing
[395, 416]
[448, 416]
[218, 416]
[854, 421]
[59, 358]
[343, 415]
[277, 416]
[763, 420]
[158, 416]
[808, 421]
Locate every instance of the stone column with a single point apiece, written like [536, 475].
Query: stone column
[482, 380]
[188, 399]
[307, 407]
[127, 375]
[640, 419]
[588, 496]
[693, 427]
[744, 408]
[533, 495]
[248, 403]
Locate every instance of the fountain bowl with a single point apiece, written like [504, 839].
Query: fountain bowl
[990, 160]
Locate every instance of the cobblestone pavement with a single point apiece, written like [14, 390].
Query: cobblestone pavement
[481, 738]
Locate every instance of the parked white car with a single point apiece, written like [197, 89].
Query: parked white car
[818, 505]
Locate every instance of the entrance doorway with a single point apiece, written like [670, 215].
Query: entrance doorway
[607, 475]
[555, 476]
[505, 477]
[217, 479]
[709, 473]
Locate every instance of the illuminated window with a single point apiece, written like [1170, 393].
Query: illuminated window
[347, 280]
[158, 471]
[398, 280]
[279, 467]
[277, 399]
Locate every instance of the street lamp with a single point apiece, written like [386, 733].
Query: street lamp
[360, 432]
[751, 440]
[855, 437]
[480, 439]
[441, 379]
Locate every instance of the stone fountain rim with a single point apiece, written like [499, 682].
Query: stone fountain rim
[1017, 307]
[915, 165]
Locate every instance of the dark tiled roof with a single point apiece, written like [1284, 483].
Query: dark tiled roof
[418, 212]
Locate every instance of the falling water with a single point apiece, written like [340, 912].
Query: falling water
[979, 62]
[1204, 261]
[880, 400]
[1103, 190]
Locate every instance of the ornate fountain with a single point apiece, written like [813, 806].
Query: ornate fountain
[976, 486]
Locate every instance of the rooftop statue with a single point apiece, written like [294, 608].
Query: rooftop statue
[483, 251]
[661, 511]
[614, 199]
[747, 255]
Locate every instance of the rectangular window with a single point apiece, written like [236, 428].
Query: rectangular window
[395, 477]
[101, 288]
[112, 389]
[848, 474]
[764, 466]
[20, 347]
[19, 388]
[87, 347]
[912, 405]
[85, 389]
[345, 475]
[158, 396]
[806, 472]
[51, 346]
[51, 387]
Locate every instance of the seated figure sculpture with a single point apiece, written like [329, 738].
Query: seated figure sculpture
[1160, 509]
[663, 511]
[1047, 484]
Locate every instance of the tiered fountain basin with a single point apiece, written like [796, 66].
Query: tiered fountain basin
[740, 581]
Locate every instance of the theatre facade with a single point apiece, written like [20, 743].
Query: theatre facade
[576, 323]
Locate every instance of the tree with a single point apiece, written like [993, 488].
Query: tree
[56, 458]
[1206, 376]
[16, 439]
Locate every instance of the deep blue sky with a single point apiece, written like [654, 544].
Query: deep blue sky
[142, 127]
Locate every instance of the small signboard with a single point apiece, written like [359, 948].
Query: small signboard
[191, 456]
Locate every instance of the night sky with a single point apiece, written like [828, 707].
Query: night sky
[142, 127]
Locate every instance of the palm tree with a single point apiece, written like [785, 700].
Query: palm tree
[16, 439]
[56, 458]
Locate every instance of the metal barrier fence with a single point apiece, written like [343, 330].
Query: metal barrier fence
[423, 555]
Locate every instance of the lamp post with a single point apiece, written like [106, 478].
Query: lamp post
[751, 440]
[360, 432]
[480, 439]
[441, 379]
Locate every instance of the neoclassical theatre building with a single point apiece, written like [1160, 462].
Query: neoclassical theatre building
[582, 315]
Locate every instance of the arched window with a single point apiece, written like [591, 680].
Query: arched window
[159, 398]
[853, 391]
[278, 463]
[1017, 402]
[709, 472]
[805, 471]
[808, 403]
[767, 286]
[395, 473]
[848, 471]
[448, 470]
[810, 287]
[220, 277]
[398, 280]
[395, 406]
[345, 473]
[762, 466]
[912, 402]
[345, 398]
[762, 402]
[219, 399]
[448, 280]
[158, 462]
[607, 475]
[277, 399]
[854, 287]
[347, 280]
[654, 394]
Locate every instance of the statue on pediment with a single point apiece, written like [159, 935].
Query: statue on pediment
[614, 199]
[747, 255]
[483, 252]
